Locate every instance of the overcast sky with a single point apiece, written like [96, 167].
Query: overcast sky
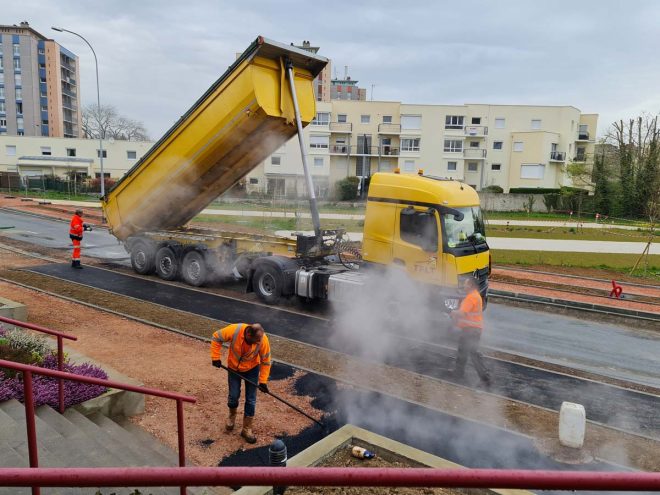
[156, 57]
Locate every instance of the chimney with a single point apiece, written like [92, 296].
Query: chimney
[25, 24]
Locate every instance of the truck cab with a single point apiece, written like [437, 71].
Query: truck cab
[430, 227]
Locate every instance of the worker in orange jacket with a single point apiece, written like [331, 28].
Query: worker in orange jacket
[470, 321]
[249, 357]
[76, 229]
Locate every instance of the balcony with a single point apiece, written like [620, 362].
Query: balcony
[339, 149]
[361, 150]
[388, 128]
[583, 136]
[389, 151]
[476, 130]
[343, 127]
[474, 153]
[557, 156]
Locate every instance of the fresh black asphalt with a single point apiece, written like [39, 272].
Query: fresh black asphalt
[616, 407]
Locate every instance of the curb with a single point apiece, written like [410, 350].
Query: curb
[597, 308]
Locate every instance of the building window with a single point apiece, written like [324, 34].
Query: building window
[419, 228]
[387, 119]
[2, 77]
[476, 120]
[105, 175]
[497, 145]
[496, 166]
[17, 64]
[17, 49]
[580, 153]
[19, 107]
[342, 118]
[44, 108]
[409, 166]
[518, 146]
[10, 150]
[454, 122]
[19, 122]
[19, 93]
[98, 153]
[45, 150]
[319, 142]
[2, 91]
[318, 161]
[410, 144]
[3, 108]
[131, 155]
[451, 166]
[536, 124]
[365, 119]
[473, 167]
[532, 171]
[322, 118]
[411, 122]
[3, 122]
[500, 123]
[453, 145]
[275, 160]
[474, 144]
[18, 80]
[70, 152]
[254, 180]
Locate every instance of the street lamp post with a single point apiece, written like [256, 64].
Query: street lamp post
[98, 102]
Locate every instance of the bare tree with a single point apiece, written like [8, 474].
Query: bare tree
[107, 123]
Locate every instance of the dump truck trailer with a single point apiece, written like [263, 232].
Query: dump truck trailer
[263, 99]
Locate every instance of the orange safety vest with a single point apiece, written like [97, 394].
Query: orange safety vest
[76, 227]
[257, 354]
[471, 312]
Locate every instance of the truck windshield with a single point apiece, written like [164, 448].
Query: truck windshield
[469, 230]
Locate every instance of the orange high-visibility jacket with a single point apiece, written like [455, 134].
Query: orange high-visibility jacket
[242, 357]
[76, 227]
[471, 311]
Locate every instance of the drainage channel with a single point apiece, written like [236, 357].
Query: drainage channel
[465, 442]
[617, 407]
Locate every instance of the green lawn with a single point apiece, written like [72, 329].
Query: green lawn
[570, 233]
[94, 198]
[609, 261]
[562, 217]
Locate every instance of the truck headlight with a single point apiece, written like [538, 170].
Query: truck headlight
[451, 303]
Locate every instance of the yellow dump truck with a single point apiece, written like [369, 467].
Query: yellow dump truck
[430, 227]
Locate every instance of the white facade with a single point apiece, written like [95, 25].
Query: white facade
[32, 156]
[511, 146]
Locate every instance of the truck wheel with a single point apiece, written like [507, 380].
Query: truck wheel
[194, 270]
[267, 283]
[167, 264]
[142, 258]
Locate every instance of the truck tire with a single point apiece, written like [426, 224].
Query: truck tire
[143, 258]
[167, 263]
[267, 282]
[193, 268]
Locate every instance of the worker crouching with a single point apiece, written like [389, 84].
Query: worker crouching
[249, 360]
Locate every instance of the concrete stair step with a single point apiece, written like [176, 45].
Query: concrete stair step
[148, 440]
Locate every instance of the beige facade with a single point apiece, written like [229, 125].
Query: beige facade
[511, 146]
[33, 156]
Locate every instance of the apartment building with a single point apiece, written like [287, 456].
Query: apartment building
[39, 85]
[510, 146]
[322, 81]
[36, 156]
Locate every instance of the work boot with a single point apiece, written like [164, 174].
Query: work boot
[231, 420]
[246, 433]
[76, 264]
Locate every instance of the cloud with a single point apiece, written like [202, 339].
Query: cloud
[157, 57]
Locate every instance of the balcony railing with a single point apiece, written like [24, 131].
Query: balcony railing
[474, 153]
[339, 149]
[341, 127]
[386, 150]
[580, 158]
[583, 136]
[476, 130]
[364, 150]
[320, 123]
[558, 156]
[387, 128]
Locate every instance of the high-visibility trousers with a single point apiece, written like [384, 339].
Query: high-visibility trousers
[76, 250]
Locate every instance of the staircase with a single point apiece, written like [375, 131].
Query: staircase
[74, 440]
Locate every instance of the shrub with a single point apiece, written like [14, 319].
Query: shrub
[21, 340]
[347, 188]
[493, 189]
[533, 190]
[551, 201]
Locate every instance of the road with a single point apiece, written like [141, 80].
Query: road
[611, 350]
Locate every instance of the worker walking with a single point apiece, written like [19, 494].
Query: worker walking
[470, 321]
[76, 229]
[249, 357]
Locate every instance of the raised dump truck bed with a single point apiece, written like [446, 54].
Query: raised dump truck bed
[243, 117]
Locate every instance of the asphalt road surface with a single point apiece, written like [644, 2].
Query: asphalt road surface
[607, 349]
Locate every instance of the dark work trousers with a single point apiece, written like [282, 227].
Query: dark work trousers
[468, 346]
[250, 390]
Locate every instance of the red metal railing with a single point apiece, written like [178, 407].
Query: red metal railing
[28, 370]
[278, 476]
[60, 350]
